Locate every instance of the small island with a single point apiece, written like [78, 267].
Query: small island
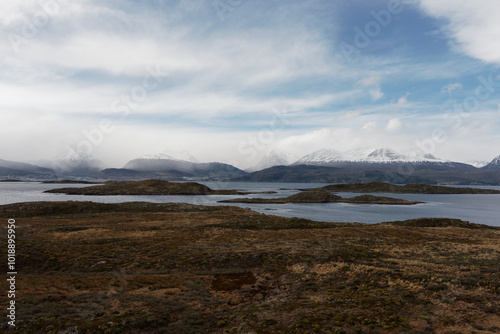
[146, 187]
[381, 187]
[316, 196]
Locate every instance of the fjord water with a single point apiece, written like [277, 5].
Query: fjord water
[481, 209]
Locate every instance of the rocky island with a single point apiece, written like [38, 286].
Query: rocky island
[318, 196]
[381, 187]
[146, 187]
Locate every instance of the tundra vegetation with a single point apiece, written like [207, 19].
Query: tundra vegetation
[89, 267]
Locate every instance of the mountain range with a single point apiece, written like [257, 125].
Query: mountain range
[325, 165]
[383, 164]
[165, 166]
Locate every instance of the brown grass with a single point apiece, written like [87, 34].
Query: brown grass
[228, 270]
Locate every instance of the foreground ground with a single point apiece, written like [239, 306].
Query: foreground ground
[177, 268]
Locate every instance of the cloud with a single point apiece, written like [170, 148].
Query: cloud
[345, 116]
[308, 138]
[219, 79]
[472, 25]
[402, 102]
[394, 124]
[373, 82]
[369, 81]
[376, 94]
[370, 126]
[448, 89]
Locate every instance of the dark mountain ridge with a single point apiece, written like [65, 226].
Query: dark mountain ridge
[396, 173]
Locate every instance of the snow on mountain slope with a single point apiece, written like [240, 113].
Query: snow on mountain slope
[172, 155]
[156, 156]
[477, 163]
[71, 161]
[323, 156]
[494, 164]
[385, 155]
[380, 155]
[73, 155]
[274, 158]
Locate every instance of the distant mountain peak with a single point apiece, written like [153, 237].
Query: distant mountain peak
[172, 155]
[73, 155]
[71, 161]
[322, 156]
[385, 154]
[273, 158]
[494, 164]
[156, 156]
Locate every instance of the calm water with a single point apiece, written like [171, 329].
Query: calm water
[482, 209]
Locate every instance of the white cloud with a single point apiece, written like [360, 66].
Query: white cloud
[448, 89]
[374, 83]
[347, 115]
[394, 124]
[376, 93]
[312, 137]
[370, 126]
[222, 80]
[402, 102]
[473, 25]
[369, 81]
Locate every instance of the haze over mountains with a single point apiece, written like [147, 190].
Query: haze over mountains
[325, 165]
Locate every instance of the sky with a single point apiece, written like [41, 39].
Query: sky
[231, 80]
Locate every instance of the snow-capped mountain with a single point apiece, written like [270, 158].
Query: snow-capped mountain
[494, 164]
[477, 163]
[421, 156]
[381, 164]
[385, 155]
[329, 156]
[380, 155]
[73, 155]
[73, 162]
[173, 155]
[156, 156]
[324, 156]
[274, 158]
[381, 159]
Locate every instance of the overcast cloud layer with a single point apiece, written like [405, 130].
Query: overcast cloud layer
[230, 80]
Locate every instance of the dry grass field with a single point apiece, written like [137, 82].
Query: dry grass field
[177, 268]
